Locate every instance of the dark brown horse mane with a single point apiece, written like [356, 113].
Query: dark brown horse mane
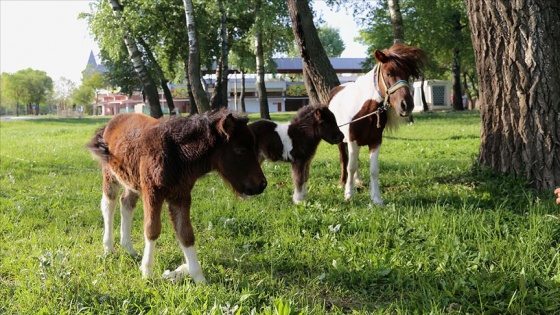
[407, 58]
[305, 113]
[181, 127]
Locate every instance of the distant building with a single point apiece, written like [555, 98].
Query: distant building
[92, 66]
[283, 95]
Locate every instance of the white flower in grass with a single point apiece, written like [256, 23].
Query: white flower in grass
[335, 228]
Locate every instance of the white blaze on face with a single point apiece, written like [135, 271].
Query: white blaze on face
[282, 130]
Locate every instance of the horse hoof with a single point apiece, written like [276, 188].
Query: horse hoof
[377, 201]
[131, 250]
[176, 276]
[147, 272]
[108, 250]
[171, 276]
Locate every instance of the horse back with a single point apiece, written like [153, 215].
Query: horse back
[131, 146]
[334, 91]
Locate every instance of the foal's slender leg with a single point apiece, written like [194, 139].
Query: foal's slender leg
[375, 194]
[108, 207]
[179, 211]
[152, 228]
[129, 199]
[343, 158]
[300, 176]
[352, 169]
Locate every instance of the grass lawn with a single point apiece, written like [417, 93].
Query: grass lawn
[452, 239]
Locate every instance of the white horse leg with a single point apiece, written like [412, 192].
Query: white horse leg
[299, 195]
[352, 169]
[300, 176]
[147, 266]
[108, 207]
[128, 205]
[375, 194]
[192, 267]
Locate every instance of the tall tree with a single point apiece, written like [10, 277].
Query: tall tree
[200, 96]
[396, 21]
[14, 90]
[440, 35]
[159, 73]
[321, 77]
[398, 37]
[148, 84]
[219, 97]
[259, 53]
[331, 40]
[517, 50]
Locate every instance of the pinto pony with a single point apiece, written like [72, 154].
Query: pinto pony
[296, 141]
[161, 160]
[365, 107]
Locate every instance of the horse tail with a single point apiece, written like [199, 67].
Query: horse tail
[98, 147]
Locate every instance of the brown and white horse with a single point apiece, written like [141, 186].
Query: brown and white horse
[161, 160]
[365, 107]
[296, 141]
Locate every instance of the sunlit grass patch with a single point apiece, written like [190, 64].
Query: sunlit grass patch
[453, 238]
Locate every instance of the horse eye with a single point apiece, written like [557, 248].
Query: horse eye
[239, 150]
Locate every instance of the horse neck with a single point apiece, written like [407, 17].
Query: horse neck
[304, 130]
[367, 85]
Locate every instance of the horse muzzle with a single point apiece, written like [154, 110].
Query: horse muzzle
[336, 138]
[255, 189]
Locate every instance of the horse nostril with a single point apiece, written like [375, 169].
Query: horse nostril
[404, 106]
[263, 185]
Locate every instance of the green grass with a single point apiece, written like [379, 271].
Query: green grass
[452, 239]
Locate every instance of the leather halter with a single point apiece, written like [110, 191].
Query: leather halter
[388, 90]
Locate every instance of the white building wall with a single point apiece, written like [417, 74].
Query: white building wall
[437, 93]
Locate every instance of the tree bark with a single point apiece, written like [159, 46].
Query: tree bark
[220, 95]
[200, 96]
[398, 32]
[315, 60]
[457, 96]
[242, 93]
[148, 83]
[425, 106]
[311, 92]
[261, 87]
[517, 51]
[159, 72]
[396, 21]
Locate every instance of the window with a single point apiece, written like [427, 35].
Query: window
[438, 95]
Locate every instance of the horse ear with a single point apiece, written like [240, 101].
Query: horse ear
[317, 114]
[226, 125]
[380, 56]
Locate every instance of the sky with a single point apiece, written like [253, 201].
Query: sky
[47, 35]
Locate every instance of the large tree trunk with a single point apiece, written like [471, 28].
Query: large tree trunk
[261, 87]
[396, 21]
[220, 95]
[200, 96]
[425, 106]
[517, 51]
[310, 87]
[457, 95]
[216, 100]
[159, 72]
[398, 32]
[316, 63]
[148, 83]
